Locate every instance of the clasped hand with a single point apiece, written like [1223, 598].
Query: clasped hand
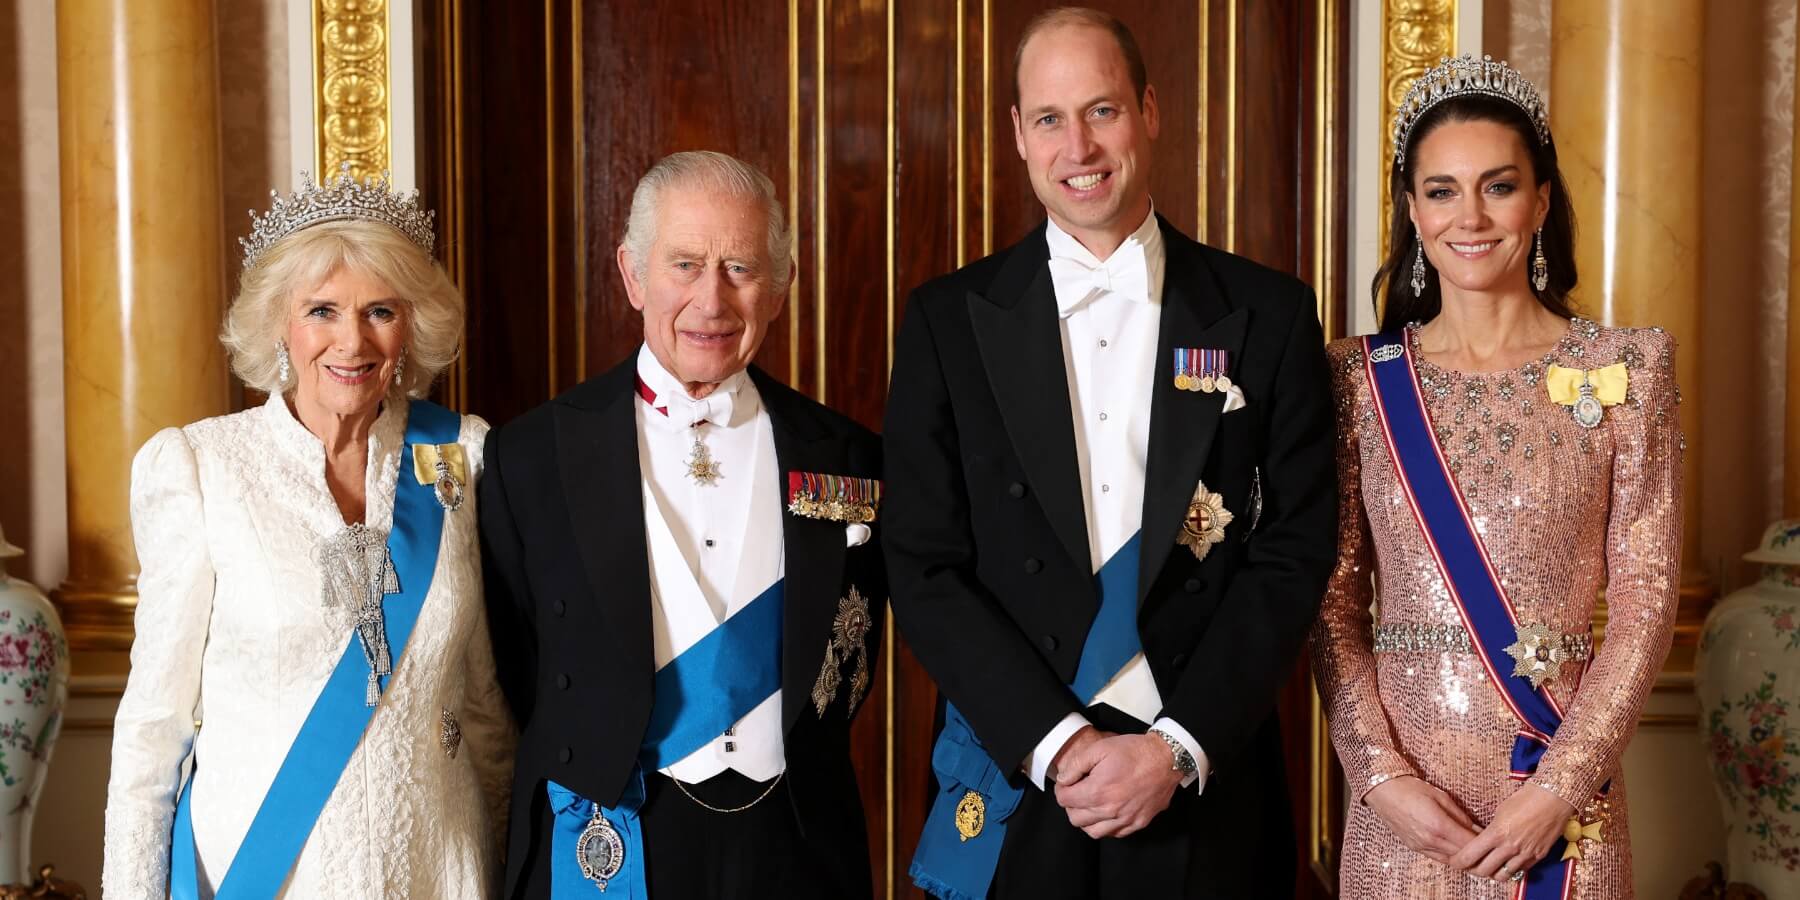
[1430, 822]
[1113, 785]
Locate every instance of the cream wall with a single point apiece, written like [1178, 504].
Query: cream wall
[1749, 79]
[252, 41]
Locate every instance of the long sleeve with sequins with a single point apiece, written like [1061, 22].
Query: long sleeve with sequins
[1343, 655]
[1643, 563]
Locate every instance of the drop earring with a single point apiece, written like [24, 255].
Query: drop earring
[399, 368]
[281, 361]
[1418, 270]
[1540, 268]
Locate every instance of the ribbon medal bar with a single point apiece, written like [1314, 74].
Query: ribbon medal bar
[834, 498]
[1202, 370]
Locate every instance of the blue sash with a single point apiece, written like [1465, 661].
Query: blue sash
[1437, 505]
[340, 714]
[698, 695]
[953, 868]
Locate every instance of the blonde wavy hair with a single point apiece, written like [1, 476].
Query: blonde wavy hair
[257, 320]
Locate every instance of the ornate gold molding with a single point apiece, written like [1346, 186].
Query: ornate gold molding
[353, 120]
[1415, 34]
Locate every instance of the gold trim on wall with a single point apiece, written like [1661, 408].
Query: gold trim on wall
[821, 215]
[353, 119]
[793, 206]
[1324, 800]
[1415, 34]
[1201, 157]
[1232, 172]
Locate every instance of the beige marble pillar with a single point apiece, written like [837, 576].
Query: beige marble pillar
[137, 93]
[1625, 112]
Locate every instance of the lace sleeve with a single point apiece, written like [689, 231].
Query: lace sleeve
[155, 725]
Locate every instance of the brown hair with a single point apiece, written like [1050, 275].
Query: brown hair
[1093, 18]
[1391, 289]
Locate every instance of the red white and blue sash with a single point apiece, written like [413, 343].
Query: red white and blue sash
[1487, 612]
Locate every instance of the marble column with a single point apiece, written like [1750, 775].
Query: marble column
[1625, 112]
[143, 287]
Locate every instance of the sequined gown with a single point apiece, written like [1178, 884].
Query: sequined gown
[1560, 508]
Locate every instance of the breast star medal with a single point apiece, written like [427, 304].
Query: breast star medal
[971, 815]
[600, 851]
[700, 465]
[1538, 654]
[1205, 522]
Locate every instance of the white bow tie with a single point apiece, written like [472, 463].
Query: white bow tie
[1125, 273]
[714, 408]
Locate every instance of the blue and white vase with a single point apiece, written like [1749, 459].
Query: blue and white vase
[34, 689]
[1747, 679]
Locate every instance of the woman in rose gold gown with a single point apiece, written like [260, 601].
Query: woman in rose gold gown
[1563, 510]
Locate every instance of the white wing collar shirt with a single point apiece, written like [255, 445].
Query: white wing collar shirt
[713, 547]
[1111, 316]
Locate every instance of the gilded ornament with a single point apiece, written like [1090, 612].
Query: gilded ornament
[1538, 654]
[1205, 523]
[971, 815]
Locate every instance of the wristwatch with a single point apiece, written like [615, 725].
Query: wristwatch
[1184, 761]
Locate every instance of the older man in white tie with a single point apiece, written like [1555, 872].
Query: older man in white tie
[683, 584]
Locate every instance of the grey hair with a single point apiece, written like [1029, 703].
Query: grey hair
[432, 307]
[715, 172]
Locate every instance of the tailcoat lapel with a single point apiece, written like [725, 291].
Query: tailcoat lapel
[1182, 423]
[1017, 328]
[815, 550]
[597, 454]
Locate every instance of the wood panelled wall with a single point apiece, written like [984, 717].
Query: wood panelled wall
[886, 128]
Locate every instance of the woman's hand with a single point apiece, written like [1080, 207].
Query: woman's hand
[1424, 818]
[1524, 827]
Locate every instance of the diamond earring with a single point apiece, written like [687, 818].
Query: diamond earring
[1418, 270]
[1540, 268]
[399, 368]
[281, 360]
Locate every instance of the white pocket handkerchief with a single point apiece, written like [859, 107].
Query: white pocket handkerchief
[856, 534]
[1234, 399]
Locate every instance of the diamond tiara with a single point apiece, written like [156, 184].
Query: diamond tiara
[1466, 76]
[341, 198]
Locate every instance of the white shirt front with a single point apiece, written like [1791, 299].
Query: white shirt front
[713, 548]
[1111, 317]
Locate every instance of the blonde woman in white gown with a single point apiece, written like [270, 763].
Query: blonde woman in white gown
[265, 539]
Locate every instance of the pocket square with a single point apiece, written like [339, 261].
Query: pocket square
[856, 534]
[1234, 399]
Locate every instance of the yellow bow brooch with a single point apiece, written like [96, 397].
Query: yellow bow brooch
[1587, 392]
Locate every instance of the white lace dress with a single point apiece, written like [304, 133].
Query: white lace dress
[231, 631]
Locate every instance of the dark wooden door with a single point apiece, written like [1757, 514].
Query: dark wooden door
[886, 128]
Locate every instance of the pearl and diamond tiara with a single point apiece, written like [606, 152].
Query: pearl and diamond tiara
[1466, 76]
[340, 198]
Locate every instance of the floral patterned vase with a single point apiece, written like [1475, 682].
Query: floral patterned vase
[1747, 678]
[34, 686]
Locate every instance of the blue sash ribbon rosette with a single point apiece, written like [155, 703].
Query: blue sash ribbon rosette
[339, 716]
[1442, 515]
[952, 865]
